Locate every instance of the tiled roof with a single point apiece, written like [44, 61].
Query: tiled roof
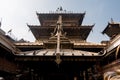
[28, 43]
[75, 43]
[52, 52]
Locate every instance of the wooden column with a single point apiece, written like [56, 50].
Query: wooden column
[75, 78]
[84, 74]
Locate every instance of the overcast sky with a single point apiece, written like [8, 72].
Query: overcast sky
[16, 13]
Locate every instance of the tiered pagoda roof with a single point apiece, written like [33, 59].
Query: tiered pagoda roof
[48, 19]
[72, 36]
[71, 22]
[73, 32]
[112, 29]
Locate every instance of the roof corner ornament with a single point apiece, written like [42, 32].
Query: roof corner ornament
[58, 34]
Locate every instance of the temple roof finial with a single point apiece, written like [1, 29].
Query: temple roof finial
[59, 9]
[0, 22]
[112, 20]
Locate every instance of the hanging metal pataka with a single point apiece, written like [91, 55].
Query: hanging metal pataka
[58, 34]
